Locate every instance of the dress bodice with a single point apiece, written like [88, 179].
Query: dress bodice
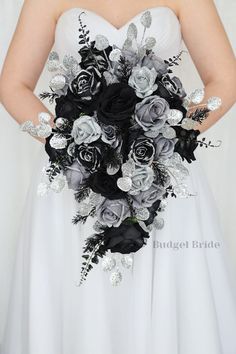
[165, 28]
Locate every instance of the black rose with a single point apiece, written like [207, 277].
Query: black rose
[89, 156]
[91, 56]
[84, 89]
[173, 85]
[175, 102]
[86, 84]
[126, 238]
[116, 104]
[186, 143]
[66, 108]
[143, 151]
[106, 185]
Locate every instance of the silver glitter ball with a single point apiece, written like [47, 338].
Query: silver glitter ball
[158, 223]
[44, 130]
[124, 183]
[101, 42]
[127, 261]
[197, 96]
[188, 124]
[168, 132]
[115, 55]
[108, 263]
[128, 168]
[58, 141]
[142, 214]
[44, 117]
[214, 103]
[58, 82]
[174, 116]
[115, 278]
[61, 122]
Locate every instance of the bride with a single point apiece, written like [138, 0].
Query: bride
[172, 301]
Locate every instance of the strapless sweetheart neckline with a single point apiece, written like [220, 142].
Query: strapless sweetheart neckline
[157, 8]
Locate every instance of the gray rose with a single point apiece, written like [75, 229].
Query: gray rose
[174, 85]
[109, 135]
[153, 61]
[164, 147]
[143, 80]
[147, 198]
[85, 130]
[151, 113]
[113, 212]
[142, 179]
[75, 175]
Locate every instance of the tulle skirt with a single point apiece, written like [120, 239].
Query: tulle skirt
[178, 298]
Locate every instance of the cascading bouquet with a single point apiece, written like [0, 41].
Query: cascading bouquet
[122, 132]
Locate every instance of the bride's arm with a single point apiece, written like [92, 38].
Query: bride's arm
[27, 54]
[210, 49]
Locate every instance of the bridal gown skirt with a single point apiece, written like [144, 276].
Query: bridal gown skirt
[172, 301]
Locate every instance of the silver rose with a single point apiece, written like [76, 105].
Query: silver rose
[75, 175]
[147, 198]
[164, 147]
[113, 212]
[85, 130]
[142, 179]
[152, 113]
[143, 80]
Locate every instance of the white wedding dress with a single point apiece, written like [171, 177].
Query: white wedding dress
[171, 302]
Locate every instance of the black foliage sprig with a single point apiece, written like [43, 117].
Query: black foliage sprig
[203, 142]
[125, 69]
[53, 170]
[200, 114]
[169, 191]
[51, 96]
[93, 249]
[175, 59]
[84, 32]
[82, 193]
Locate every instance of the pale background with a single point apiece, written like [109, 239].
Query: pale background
[18, 151]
